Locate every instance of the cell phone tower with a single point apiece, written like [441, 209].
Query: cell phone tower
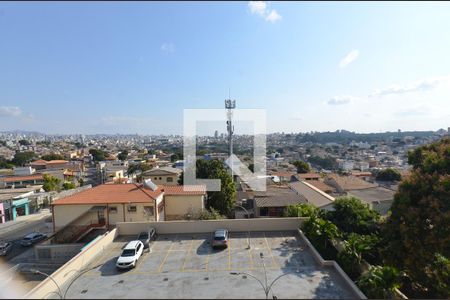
[229, 106]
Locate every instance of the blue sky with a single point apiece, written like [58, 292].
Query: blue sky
[115, 67]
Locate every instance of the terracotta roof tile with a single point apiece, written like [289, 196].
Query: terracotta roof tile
[184, 189]
[111, 193]
[21, 178]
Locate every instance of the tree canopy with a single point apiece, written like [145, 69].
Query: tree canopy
[302, 210]
[98, 154]
[51, 183]
[389, 174]
[52, 156]
[22, 158]
[302, 167]
[352, 215]
[418, 229]
[123, 155]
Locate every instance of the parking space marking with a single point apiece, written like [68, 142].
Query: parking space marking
[187, 254]
[165, 258]
[229, 255]
[274, 262]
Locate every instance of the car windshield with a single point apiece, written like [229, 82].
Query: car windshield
[219, 238]
[27, 238]
[128, 252]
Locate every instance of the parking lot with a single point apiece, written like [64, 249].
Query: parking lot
[186, 266]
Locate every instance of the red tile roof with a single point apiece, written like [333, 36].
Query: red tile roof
[125, 193]
[21, 178]
[40, 162]
[111, 193]
[308, 175]
[57, 161]
[184, 189]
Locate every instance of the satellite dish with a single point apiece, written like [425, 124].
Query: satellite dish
[149, 184]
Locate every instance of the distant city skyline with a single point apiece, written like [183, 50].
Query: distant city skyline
[117, 67]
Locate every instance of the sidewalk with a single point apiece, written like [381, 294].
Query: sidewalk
[23, 221]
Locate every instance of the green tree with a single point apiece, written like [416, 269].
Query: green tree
[302, 167]
[123, 155]
[389, 174]
[224, 199]
[438, 275]
[419, 224]
[351, 215]
[52, 156]
[302, 210]
[5, 164]
[51, 183]
[320, 232]
[68, 185]
[98, 154]
[380, 282]
[22, 158]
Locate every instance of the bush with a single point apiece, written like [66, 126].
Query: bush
[380, 282]
[301, 210]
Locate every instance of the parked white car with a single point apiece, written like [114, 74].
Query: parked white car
[130, 255]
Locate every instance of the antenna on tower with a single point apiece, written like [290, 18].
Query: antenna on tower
[229, 106]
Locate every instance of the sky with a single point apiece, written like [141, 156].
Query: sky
[116, 67]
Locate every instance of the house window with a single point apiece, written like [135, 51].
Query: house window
[149, 211]
[160, 178]
[132, 209]
[169, 179]
[156, 178]
[113, 210]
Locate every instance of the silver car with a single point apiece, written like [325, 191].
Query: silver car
[5, 247]
[32, 238]
[220, 238]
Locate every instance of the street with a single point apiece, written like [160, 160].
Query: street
[15, 234]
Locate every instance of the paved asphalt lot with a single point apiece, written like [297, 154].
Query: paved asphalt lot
[185, 266]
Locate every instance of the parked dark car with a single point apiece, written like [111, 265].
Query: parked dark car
[147, 236]
[32, 238]
[5, 247]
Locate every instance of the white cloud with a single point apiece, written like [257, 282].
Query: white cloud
[258, 7]
[168, 48]
[261, 8]
[10, 111]
[340, 100]
[419, 85]
[273, 16]
[349, 58]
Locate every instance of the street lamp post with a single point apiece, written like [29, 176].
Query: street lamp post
[51, 278]
[248, 217]
[266, 287]
[78, 276]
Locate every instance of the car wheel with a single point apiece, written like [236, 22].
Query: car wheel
[134, 264]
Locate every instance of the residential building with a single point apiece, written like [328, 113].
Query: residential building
[164, 175]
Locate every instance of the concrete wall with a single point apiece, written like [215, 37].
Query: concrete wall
[57, 252]
[63, 275]
[333, 264]
[139, 215]
[64, 214]
[178, 206]
[260, 224]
